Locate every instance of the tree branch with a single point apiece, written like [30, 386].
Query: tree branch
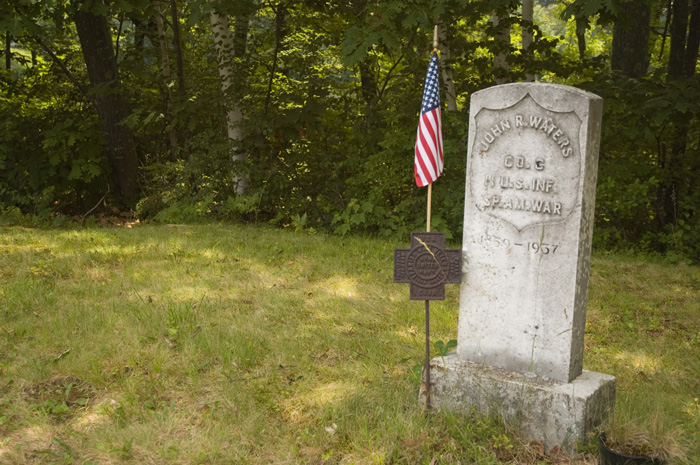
[388, 76]
[64, 68]
[119, 35]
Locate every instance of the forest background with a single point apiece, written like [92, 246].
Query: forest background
[303, 113]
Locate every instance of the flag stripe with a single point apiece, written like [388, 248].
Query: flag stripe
[428, 160]
[421, 168]
[427, 146]
[430, 132]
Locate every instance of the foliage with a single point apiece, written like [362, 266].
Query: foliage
[330, 93]
[48, 156]
[638, 132]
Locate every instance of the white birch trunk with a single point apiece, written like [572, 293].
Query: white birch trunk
[450, 93]
[500, 59]
[223, 41]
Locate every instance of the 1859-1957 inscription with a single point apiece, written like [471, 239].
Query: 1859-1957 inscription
[526, 163]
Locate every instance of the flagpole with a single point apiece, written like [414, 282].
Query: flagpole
[430, 201]
[430, 186]
[427, 302]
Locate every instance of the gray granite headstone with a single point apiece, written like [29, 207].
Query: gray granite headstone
[528, 222]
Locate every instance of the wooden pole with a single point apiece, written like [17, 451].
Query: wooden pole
[426, 365]
[430, 186]
[430, 201]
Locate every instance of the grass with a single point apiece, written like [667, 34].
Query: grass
[232, 344]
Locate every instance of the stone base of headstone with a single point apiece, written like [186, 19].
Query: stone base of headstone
[551, 412]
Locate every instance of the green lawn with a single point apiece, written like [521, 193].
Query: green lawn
[232, 344]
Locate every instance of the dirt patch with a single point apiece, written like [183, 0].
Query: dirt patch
[60, 397]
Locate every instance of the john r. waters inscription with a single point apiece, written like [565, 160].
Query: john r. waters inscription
[526, 163]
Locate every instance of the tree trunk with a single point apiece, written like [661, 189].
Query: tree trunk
[502, 49]
[693, 41]
[177, 48]
[527, 36]
[225, 46]
[280, 30]
[241, 25]
[581, 26]
[679, 27]
[368, 82]
[674, 188]
[96, 42]
[8, 51]
[167, 77]
[450, 93]
[692, 49]
[369, 88]
[664, 35]
[630, 44]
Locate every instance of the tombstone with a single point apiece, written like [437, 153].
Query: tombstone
[528, 221]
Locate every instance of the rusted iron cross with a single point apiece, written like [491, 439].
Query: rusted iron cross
[427, 266]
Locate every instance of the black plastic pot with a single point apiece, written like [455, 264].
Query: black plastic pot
[613, 457]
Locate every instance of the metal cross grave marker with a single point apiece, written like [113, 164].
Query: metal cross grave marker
[427, 266]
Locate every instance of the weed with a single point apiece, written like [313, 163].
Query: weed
[159, 409]
[443, 348]
[125, 451]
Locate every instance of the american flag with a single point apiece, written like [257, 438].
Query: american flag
[428, 160]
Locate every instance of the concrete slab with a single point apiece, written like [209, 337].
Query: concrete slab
[554, 413]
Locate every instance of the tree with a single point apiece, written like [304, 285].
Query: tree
[678, 166]
[528, 33]
[177, 48]
[95, 38]
[227, 51]
[630, 44]
[8, 51]
[501, 27]
[446, 68]
[167, 77]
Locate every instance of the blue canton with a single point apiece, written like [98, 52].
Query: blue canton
[431, 95]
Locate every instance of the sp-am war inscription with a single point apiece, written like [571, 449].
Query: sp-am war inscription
[526, 163]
